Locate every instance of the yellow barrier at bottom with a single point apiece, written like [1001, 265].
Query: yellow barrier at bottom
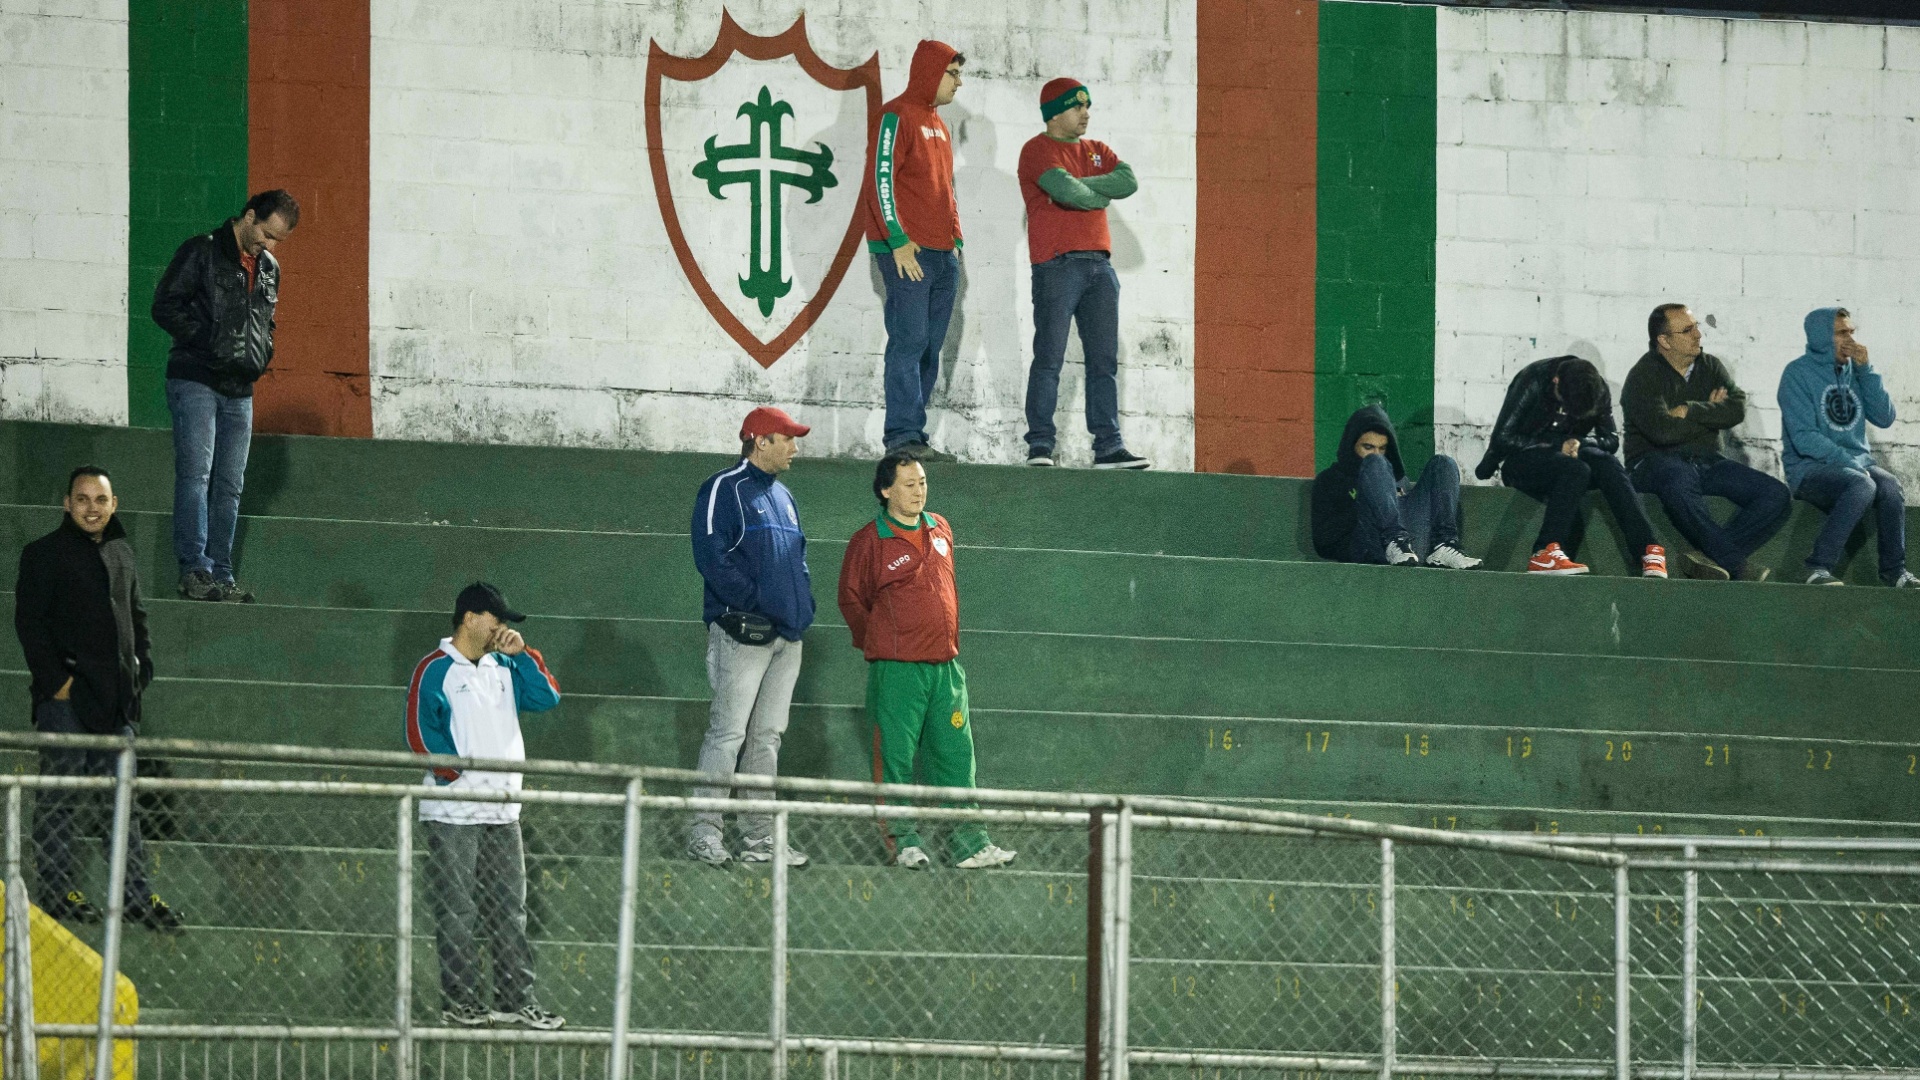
[66, 990]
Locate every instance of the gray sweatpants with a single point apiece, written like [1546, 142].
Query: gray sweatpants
[752, 690]
[477, 884]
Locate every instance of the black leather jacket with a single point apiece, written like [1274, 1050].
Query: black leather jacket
[1530, 418]
[222, 332]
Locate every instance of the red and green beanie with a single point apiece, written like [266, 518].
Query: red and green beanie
[1059, 95]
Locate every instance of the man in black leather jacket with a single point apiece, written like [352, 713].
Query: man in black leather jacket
[216, 301]
[1556, 439]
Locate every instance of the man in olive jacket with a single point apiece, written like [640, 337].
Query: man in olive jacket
[216, 301]
[83, 632]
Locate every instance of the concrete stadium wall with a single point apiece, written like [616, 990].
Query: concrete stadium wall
[1591, 166]
[63, 210]
[524, 288]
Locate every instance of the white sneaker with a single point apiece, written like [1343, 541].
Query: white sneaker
[1821, 576]
[991, 855]
[1398, 555]
[1906, 580]
[913, 857]
[1451, 558]
[761, 850]
[532, 1016]
[709, 850]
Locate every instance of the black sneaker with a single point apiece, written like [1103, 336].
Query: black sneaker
[927, 453]
[232, 592]
[75, 908]
[1120, 459]
[1037, 456]
[155, 914]
[199, 585]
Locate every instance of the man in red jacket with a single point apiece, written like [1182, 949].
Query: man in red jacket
[913, 229]
[898, 597]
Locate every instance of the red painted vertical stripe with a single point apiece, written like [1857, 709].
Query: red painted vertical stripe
[307, 118]
[1253, 281]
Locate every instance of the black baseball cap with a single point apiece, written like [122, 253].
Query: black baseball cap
[481, 596]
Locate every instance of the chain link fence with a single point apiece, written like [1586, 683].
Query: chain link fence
[300, 904]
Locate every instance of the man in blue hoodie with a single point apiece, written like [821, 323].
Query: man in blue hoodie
[1827, 397]
[748, 546]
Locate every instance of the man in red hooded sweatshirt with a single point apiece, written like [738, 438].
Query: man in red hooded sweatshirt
[913, 229]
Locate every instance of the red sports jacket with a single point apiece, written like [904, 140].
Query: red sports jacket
[900, 602]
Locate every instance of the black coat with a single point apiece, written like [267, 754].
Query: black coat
[77, 610]
[222, 331]
[1531, 417]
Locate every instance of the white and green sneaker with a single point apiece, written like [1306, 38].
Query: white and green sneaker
[991, 855]
[913, 857]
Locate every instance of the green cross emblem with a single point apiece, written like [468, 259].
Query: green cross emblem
[764, 165]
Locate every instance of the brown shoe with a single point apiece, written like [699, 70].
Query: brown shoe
[1701, 568]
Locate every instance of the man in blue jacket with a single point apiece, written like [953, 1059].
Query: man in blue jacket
[1827, 397]
[748, 546]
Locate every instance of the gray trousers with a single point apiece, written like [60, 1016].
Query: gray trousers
[752, 690]
[477, 884]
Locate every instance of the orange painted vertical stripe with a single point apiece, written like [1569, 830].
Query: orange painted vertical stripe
[307, 122]
[1253, 280]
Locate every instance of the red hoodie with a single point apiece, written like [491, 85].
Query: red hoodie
[908, 193]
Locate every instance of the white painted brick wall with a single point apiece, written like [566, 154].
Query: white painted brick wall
[1755, 169]
[523, 288]
[63, 210]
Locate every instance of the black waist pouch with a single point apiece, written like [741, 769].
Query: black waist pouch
[747, 628]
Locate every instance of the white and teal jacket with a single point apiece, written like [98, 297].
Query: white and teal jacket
[472, 709]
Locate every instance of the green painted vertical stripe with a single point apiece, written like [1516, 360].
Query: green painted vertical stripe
[1374, 300]
[187, 148]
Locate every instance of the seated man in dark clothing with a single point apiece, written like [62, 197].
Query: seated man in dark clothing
[1364, 513]
[1678, 400]
[1555, 440]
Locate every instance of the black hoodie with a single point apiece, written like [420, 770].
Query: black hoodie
[1337, 487]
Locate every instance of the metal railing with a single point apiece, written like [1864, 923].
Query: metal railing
[1133, 933]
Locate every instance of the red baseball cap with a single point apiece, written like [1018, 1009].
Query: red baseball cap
[770, 421]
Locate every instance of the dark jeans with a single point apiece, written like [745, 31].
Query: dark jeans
[917, 313]
[1081, 287]
[1844, 494]
[477, 883]
[211, 435]
[59, 814]
[1427, 516]
[1562, 483]
[1683, 485]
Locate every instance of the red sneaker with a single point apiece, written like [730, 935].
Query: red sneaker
[1654, 562]
[1551, 560]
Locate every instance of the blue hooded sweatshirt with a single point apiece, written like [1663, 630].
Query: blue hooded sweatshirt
[1824, 406]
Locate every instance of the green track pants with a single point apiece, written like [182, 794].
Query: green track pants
[921, 709]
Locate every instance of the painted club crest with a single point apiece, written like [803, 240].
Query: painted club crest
[757, 150]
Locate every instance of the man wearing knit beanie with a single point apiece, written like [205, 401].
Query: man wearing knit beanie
[1067, 181]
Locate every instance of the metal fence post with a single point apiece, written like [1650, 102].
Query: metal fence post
[403, 940]
[1096, 935]
[116, 912]
[777, 1020]
[23, 1048]
[623, 954]
[1690, 971]
[1389, 976]
[1122, 935]
[1622, 979]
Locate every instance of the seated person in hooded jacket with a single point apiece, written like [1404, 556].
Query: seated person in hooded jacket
[1364, 512]
[1555, 440]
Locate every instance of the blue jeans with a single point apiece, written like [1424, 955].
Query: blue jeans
[1683, 484]
[211, 434]
[1079, 286]
[917, 313]
[1427, 516]
[1844, 494]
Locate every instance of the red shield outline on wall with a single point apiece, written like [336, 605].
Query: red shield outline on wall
[733, 39]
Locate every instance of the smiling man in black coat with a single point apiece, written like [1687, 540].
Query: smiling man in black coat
[84, 633]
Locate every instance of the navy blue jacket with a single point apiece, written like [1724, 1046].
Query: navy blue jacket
[748, 546]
